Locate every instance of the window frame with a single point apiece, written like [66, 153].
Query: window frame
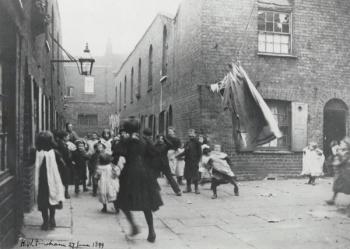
[4, 166]
[288, 108]
[87, 122]
[289, 34]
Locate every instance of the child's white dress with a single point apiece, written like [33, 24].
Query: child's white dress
[313, 161]
[108, 182]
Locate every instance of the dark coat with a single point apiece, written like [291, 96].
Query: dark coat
[66, 172]
[161, 161]
[139, 190]
[79, 159]
[193, 154]
[174, 141]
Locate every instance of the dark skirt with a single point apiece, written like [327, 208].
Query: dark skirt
[139, 190]
[80, 172]
[191, 171]
[43, 191]
[342, 179]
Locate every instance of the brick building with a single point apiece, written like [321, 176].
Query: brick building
[31, 99]
[295, 52]
[89, 99]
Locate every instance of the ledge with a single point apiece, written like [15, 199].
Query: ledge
[283, 152]
[278, 55]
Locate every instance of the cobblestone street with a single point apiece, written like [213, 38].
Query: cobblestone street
[267, 214]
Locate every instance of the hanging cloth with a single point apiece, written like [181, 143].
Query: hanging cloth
[253, 121]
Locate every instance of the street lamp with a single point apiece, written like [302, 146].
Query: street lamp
[86, 62]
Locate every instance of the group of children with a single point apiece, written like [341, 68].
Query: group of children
[60, 161]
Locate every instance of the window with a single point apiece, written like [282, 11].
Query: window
[125, 82]
[138, 96]
[274, 32]
[87, 119]
[70, 91]
[3, 128]
[120, 96]
[165, 52]
[132, 86]
[150, 68]
[89, 87]
[282, 113]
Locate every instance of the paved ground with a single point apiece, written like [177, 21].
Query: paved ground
[267, 214]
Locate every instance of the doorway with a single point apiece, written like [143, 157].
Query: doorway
[334, 128]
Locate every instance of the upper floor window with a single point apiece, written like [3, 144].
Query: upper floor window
[125, 82]
[70, 91]
[165, 52]
[281, 110]
[274, 32]
[138, 95]
[132, 86]
[89, 86]
[120, 96]
[150, 68]
[87, 119]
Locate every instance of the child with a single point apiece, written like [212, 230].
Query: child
[313, 160]
[205, 175]
[49, 190]
[108, 182]
[106, 139]
[217, 163]
[79, 160]
[99, 149]
[62, 147]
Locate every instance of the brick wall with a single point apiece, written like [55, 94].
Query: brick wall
[25, 59]
[207, 35]
[99, 103]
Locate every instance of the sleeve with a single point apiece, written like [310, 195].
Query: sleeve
[59, 160]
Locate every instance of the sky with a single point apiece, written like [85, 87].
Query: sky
[95, 21]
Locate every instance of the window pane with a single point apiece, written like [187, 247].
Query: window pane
[261, 21]
[285, 39]
[269, 16]
[276, 48]
[269, 26]
[277, 18]
[284, 18]
[284, 48]
[269, 47]
[278, 27]
[262, 37]
[269, 38]
[285, 28]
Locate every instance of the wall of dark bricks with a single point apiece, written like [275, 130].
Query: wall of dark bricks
[29, 62]
[207, 35]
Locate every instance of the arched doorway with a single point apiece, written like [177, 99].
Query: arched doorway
[334, 125]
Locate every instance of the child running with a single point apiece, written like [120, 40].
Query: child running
[108, 182]
[218, 165]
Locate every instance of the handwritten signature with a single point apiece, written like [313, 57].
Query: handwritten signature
[52, 243]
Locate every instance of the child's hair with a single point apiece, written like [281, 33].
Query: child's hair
[99, 143]
[104, 159]
[45, 141]
[206, 151]
[334, 142]
[61, 134]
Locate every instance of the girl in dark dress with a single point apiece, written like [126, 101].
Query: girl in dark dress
[48, 184]
[139, 190]
[62, 137]
[79, 159]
